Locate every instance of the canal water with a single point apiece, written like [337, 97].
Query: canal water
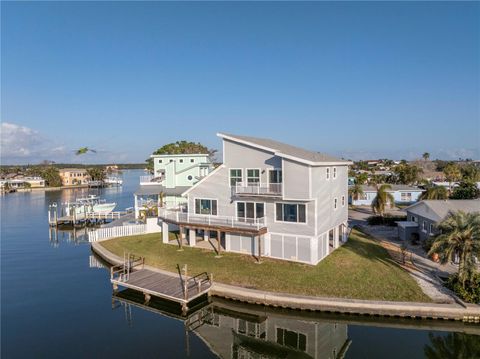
[56, 302]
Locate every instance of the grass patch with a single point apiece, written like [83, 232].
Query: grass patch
[360, 269]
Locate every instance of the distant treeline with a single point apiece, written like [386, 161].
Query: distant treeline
[123, 166]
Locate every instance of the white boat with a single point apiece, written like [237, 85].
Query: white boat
[90, 204]
[113, 181]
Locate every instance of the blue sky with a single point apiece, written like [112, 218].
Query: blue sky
[358, 80]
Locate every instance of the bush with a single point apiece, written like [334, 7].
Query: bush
[386, 220]
[427, 243]
[471, 292]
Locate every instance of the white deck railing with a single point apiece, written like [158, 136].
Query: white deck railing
[224, 221]
[101, 234]
[151, 179]
[270, 189]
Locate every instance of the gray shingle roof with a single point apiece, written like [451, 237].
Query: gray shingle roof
[395, 187]
[436, 210]
[282, 148]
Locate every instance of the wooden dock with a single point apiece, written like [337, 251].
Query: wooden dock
[132, 274]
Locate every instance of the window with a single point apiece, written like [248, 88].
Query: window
[275, 176]
[343, 201]
[253, 176]
[206, 206]
[181, 160]
[424, 226]
[406, 196]
[160, 161]
[171, 160]
[334, 172]
[189, 177]
[291, 339]
[328, 173]
[431, 228]
[413, 219]
[335, 203]
[250, 210]
[192, 160]
[288, 212]
[235, 176]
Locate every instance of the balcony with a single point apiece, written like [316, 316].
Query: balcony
[257, 189]
[146, 180]
[223, 223]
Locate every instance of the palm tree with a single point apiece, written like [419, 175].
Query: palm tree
[83, 150]
[382, 199]
[426, 156]
[460, 235]
[355, 191]
[452, 174]
[435, 192]
[452, 346]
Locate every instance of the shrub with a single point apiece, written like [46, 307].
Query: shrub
[471, 292]
[427, 243]
[386, 220]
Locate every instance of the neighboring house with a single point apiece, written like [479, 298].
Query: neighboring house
[450, 185]
[20, 181]
[269, 199]
[74, 176]
[401, 193]
[173, 175]
[424, 216]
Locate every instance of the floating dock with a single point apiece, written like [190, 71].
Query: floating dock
[182, 289]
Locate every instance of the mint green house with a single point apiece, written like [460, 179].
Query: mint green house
[172, 175]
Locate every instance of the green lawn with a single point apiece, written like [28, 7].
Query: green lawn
[360, 269]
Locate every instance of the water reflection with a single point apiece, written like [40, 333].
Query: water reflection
[452, 346]
[239, 331]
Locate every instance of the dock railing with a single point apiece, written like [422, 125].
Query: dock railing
[121, 272]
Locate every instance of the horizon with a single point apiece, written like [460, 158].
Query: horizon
[354, 80]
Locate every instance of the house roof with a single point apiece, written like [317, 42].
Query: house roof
[395, 187]
[436, 210]
[285, 150]
[72, 170]
[156, 189]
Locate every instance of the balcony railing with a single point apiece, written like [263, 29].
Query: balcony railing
[271, 189]
[150, 179]
[221, 221]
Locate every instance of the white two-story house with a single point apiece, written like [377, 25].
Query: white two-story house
[172, 175]
[268, 199]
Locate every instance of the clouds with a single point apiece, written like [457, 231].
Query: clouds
[23, 145]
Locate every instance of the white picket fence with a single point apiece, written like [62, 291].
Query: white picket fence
[101, 234]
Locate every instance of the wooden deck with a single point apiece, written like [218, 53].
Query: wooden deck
[181, 289]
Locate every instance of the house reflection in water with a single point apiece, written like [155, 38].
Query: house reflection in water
[240, 332]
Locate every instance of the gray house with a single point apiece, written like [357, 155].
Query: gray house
[423, 217]
[268, 199]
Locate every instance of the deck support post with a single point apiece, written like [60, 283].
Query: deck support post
[180, 239]
[219, 243]
[164, 232]
[259, 249]
[147, 298]
[192, 237]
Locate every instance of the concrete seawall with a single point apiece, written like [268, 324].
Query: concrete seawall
[467, 313]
